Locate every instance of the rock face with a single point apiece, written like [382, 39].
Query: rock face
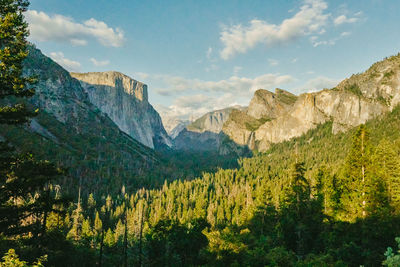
[125, 101]
[272, 119]
[204, 133]
[270, 105]
[211, 121]
[264, 107]
[174, 126]
[72, 132]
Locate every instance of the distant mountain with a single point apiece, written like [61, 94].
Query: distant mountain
[174, 126]
[75, 134]
[125, 101]
[354, 101]
[205, 134]
[275, 117]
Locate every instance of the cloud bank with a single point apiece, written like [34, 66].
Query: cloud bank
[239, 39]
[66, 63]
[59, 28]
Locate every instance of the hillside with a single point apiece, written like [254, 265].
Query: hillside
[76, 135]
[227, 217]
[125, 101]
[273, 118]
[205, 134]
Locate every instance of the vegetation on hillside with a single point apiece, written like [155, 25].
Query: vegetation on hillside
[316, 200]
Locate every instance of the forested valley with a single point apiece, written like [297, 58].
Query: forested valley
[321, 199]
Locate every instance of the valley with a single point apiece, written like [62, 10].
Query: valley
[94, 171]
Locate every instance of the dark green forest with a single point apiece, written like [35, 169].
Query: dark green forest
[321, 199]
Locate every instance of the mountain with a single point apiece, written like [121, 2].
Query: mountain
[269, 105]
[76, 135]
[205, 133]
[174, 126]
[125, 101]
[264, 106]
[273, 118]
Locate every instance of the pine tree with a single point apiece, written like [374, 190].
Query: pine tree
[25, 183]
[386, 174]
[13, 51]
[356, 173]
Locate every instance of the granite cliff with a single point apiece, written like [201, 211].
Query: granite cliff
[203, 134]
[174, 126]
[362, 97]
[125, 101]
[74, 134]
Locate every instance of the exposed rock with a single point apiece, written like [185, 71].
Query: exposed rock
[197, 141]
[266, 104]
[72, 132]
[381, 81]
[343, 108]
[174, 126]
[37, 128]
[354, 101]
[204, 134]
[125, 101]
[211, 121]
[239, 127]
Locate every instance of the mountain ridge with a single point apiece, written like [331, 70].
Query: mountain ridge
[125, 101]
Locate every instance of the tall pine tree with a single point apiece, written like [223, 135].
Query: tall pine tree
[356, 173]
[25, 196]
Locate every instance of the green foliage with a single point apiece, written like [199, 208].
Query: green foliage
[388, 74]
[13, 51]
[392, 258]
[354, 88]
[285, 97]
[255, 124]
[11, 259]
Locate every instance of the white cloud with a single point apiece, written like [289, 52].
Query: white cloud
[193, 106]
[310, 19]
[344, 19]
[273, 62]
[343, 34]
[66, 63]
[318, 83]
[294, 60]
[209, 52]
[234, 84]
[59, 28]
[316, 43]
[99, 63]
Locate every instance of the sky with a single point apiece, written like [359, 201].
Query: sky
[197, 56]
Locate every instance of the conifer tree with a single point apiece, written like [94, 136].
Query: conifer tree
[386, 174]
[356, 174]
[25, 197]
[13, 51]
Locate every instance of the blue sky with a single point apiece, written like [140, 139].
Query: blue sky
[197, 56]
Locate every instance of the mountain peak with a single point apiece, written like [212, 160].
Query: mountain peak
[125, 101]
[117, 80]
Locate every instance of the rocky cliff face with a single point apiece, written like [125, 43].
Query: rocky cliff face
[354, 101]
[266, 104]
[204, 133]
[174, 126]
[72, 132]
[211, 121]
[125, 101]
